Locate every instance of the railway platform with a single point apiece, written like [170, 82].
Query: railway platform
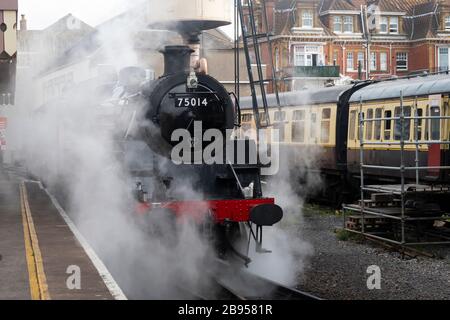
[42, 255]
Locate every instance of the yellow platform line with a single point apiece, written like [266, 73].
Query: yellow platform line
[37, 278]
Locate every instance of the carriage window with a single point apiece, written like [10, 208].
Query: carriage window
[247, 117]
[378, 115]
[387, 125]
[419, 124]
[313, 129]
[369, 125]
[361, 128]
[435, 124]
[352, 125]
[325, 126]
[280, 116]
[398, 124]
[298, 126]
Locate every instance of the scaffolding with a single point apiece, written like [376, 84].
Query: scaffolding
[388, 215]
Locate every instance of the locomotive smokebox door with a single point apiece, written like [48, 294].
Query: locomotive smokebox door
[266, 215]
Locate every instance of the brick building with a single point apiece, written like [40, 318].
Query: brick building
[317, 42]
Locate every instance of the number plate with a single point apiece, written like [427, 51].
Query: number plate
[191, 102]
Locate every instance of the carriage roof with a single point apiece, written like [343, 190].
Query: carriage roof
[299, 98]
[413, 87]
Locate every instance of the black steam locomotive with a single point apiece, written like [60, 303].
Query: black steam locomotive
[223, 196]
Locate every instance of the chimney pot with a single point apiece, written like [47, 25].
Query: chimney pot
[23, 23]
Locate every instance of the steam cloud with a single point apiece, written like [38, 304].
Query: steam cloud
[64, 143]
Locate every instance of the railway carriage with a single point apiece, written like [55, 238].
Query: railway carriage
[324, 124]
[424, 100]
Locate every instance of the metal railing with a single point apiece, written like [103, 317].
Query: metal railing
[402, 191]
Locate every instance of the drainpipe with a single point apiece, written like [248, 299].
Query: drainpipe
[390, 59]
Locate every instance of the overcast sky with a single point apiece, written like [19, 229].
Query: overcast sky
[42, 13]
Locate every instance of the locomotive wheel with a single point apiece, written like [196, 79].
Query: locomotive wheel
[231, 243]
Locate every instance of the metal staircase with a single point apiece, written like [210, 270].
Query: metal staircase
[251, 40]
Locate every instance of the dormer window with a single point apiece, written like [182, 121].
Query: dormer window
[307, 19]
[384, 25]
[348, 24]
[393, 25]
[337, 25]
[447, 23]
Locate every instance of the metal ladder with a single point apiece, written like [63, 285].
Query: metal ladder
[251, 39]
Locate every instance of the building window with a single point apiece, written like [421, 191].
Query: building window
[337, 24]
[350, 63]
[443, 59]
[348, 24]
[447, 23]
[335, 58]
[361, 61]
[393, 25]
[307, 19]
[373, 61]
[402, 61]
[383, 24]
[383, 61]
[307, 56]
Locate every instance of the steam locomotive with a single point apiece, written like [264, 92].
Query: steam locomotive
[223, 197]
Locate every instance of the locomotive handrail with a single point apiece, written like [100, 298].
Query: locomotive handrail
[238, 109]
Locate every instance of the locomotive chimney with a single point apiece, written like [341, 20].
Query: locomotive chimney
[177, 59]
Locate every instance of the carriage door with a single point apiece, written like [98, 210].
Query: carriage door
[434, 134]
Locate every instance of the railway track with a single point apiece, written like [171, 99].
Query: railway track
[259, 288]
[241, 285]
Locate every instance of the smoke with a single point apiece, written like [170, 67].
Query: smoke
[68, 140]
[297, 179]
